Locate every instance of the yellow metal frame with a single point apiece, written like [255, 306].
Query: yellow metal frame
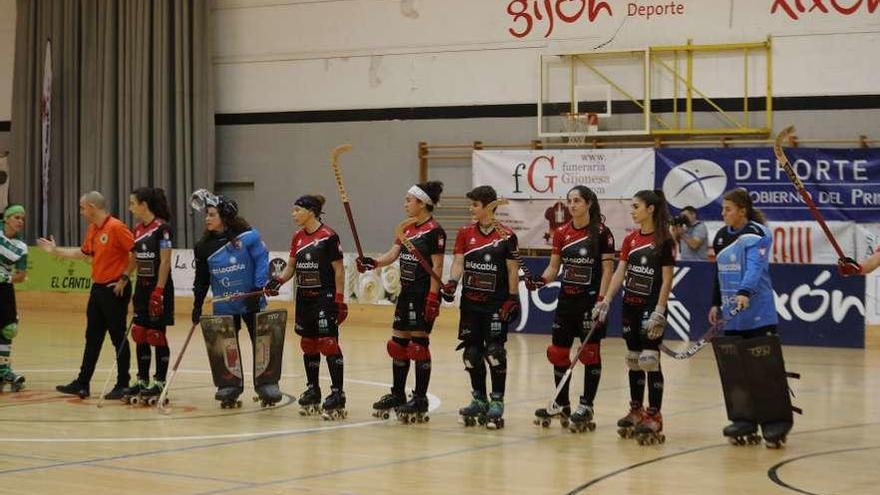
[737, 127]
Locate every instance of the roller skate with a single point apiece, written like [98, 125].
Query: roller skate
[333, 407]
[626, 425]
[116, 393]
[775, 434]
[474, 413]
[545, 415]
[650, 430]
[228, 397]
[74, 388]
[150, 395]
[742, 433]
[582, 418]
[268, 394]
[15, 382]
[414, 411]
[495, 414]
[389, 402]
[132, 394]
[310, 402]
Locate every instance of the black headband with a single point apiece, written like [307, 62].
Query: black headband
[309, 203]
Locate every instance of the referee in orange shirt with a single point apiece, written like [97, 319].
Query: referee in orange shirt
[107, 245]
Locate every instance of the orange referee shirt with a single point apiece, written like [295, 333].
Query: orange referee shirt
[108, 244]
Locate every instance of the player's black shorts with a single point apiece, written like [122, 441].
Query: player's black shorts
[141, 303]
[8, 311]
[479, 326]
[572, 321]
[633, 322]
[409, 313]
[316, 318]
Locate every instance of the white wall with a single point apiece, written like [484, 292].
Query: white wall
[339, 54]
[7, 57]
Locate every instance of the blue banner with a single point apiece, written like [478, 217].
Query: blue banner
[842, 182]
[814, 305]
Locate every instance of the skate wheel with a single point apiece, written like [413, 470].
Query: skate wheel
[152, 401]
[564, 423]
[591, 426]
[426, 419]
[662, 439]
[134, 401]
[545, 423]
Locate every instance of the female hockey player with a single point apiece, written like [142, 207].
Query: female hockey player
[316, 259]
[417, 306]
[645, 274]
[485, 262]
[584, 248]
[153, 298]
[231, 259]
[13, 269]
[754, 383]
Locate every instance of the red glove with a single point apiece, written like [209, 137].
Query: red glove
[273, 287]
[848, 267]
[157, 302]
[447, 292]
[510, 308]
[432, 307]
[341, 308]
[535, 283]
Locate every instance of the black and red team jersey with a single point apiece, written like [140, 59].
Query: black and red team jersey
[313, 255]
[484, 285]
[644, 262]
[149, 240]
[581, 259]
[429, 238]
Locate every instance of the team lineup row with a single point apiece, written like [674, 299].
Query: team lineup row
[232, 261]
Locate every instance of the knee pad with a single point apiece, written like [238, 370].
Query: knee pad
[473, 357]
[329, 346]
[558, 356]
[590, 354]
[632, 360]
[649, 361]
[310, 345]
[139, 334]
[496, 354]
[156, 338]
[397, 350]
[10, 331]
[419, 351]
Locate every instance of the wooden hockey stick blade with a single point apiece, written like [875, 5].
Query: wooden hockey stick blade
[792, 176]
[398, 231]
[343, 194]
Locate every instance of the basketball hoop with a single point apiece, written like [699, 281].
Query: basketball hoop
[583, 123]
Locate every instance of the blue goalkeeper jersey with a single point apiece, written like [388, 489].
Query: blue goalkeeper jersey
[239, 266]
[742, 260]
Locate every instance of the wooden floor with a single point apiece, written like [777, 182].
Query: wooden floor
[54, 444]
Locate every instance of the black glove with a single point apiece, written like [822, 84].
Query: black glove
[197, 313]
[273, 286]
[365, 264]
[447, 292]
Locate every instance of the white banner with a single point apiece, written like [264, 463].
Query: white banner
[549, 174]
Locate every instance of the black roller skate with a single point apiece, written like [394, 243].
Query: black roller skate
[475, 413]
[742, 433]
[775, 434]
[495, 414]
[389, 402]
[626, 425]
[228, 397]
[310, 402]
[333, 407]
[268, 394]
[150, 395]
[582, 418]
[414, 411]
[132, 394]
[545, 415]
[650, 430]
[15, 382]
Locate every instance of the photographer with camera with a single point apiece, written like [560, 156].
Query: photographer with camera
[691, 235]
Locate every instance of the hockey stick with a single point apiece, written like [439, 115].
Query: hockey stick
[334, 163]
[115, 365]
[497, 225]
[577, 357]
[694, 347]
[398, 231]
[163, 396]
[236, 296]
[792, 176]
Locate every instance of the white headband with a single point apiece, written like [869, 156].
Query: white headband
[420, 193]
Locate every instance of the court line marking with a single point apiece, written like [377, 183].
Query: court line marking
[773, 472]
[433, 404]
[241, 484]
